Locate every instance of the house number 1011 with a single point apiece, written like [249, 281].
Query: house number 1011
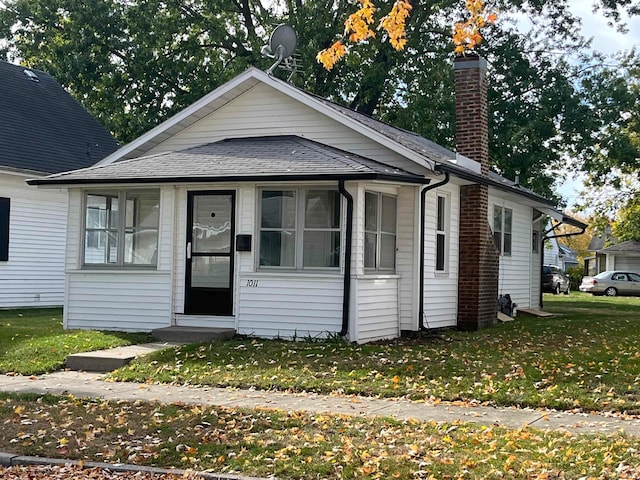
[252, 283]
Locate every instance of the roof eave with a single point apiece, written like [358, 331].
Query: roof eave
[484, 180]
[60, 182]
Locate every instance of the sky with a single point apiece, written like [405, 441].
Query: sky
[605, 39]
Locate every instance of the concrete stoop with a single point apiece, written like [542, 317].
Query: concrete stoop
[192, 334]
[112, 358]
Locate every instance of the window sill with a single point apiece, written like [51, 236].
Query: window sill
[118, 271]
[378, 276]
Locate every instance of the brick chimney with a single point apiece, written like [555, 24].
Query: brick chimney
[479, 259]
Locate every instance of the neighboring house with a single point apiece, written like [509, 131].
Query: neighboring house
[557, 253]
[43, 130]
[276, 213]
[598, 261]
[619, 256]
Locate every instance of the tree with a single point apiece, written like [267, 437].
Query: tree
[627, 224]
[134, 63]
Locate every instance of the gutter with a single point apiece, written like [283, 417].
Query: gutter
[346, 289]
[423, 205]
[569, 221]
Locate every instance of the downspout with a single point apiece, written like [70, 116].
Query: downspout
[346, 291]
[548, 237]
[423, 206]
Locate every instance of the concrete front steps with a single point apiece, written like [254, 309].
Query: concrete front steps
[112, 358]
[168, 337]
[192, 334]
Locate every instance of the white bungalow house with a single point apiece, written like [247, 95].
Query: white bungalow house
[272, 212]
[43, 130]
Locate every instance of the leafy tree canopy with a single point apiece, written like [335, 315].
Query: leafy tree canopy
[133, 63]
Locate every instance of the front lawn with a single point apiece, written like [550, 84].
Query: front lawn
[33, 341]
[585, 358]
[295, 445]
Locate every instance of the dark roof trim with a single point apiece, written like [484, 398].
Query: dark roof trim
[484, 180]
[573, 222]
[236, 179]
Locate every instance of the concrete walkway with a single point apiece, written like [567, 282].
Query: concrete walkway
[92, 385]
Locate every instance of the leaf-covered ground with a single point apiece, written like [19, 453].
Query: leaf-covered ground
[292, 445]
[586, 358]
[33, 341]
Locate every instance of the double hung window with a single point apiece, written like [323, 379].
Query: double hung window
[300, 228]
[442, 228]
[380, 232]
[502, 224]
[121, 228]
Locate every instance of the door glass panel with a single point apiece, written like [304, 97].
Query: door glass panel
[212, 223]
[210, 272]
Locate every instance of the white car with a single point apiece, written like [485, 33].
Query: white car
[612, 284]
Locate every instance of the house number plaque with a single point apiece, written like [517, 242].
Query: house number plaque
[252, 283]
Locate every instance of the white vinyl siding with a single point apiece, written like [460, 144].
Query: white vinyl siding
[118, 300]
[33, 276]
[441, 288]
[289, 305]
[515, 272]
[406, 265]
[263, 111]
[377, 307]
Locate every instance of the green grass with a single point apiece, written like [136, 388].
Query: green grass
[33, 341]
[295, 445]
[586, 358]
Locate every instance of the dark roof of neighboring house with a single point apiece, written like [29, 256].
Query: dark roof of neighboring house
[283, 158]
[630, 246]
[43, 128]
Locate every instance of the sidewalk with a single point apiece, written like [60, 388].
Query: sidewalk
[92, 385]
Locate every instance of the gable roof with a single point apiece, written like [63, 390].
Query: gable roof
[420, 150]
[275, 158]
[630, 246]
[43, 128]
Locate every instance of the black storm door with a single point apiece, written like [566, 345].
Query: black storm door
[209, 265]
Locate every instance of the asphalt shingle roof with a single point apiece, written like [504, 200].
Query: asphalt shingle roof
[43, 128]
[256, 158]
[630, 246]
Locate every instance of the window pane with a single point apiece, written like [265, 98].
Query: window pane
[497, 238]
[388, 213]
[142, 209]
[370, 244]
[100, 247]
[212, 223]
[440, 214]
[321, 249]
[507, 244]
[508, 216]
[141, 228]
[322, 209]
[387, 252]
[278, 209]
[141, 247]
[497, 220]
[277, 249]
[371, 212]
[102, 211]
[440, 252]
[210, 272]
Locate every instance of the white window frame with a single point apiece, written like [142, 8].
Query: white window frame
[300, 228]
[379, 232]
[120, 229]
[442, 231]
[535, 240]
[504, 230]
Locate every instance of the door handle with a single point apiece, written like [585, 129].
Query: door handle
[188, 250]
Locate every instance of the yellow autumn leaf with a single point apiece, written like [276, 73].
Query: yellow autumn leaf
[63, 441]
[19, 409]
